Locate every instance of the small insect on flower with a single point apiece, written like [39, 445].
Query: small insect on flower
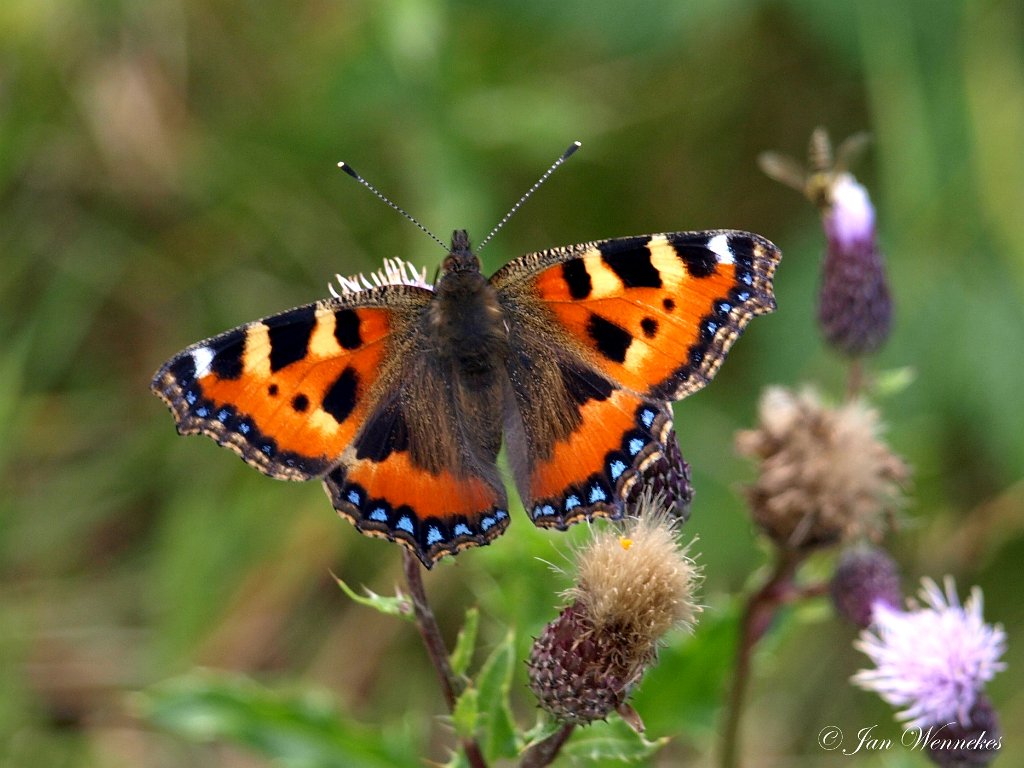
[632, 586]
[933, 660]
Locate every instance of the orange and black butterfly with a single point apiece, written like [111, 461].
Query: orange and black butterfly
[399, 396]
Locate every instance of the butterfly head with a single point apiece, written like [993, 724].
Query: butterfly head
[461, 257]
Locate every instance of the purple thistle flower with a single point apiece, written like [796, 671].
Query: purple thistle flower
[854, 305]
[932, 660]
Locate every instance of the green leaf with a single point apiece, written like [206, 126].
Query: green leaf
[462, 655]
[300, 729]
[399, 605]
[893, 381]
[466, 716]
[614, 740]
[457, 760]
[544, 727]
[686, 686]
[494, 683]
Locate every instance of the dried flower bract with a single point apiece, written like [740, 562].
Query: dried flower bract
[824, 474]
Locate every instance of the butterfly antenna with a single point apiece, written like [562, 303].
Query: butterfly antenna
[544, 177]
[381, 196]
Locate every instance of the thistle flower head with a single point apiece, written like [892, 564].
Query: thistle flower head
[633, 585]
[854, 305]
[824, 474]
[933, 660]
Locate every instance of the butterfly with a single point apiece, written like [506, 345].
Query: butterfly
[400, 396]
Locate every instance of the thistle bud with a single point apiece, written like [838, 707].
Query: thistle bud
[854, 306]
[967, 745]
[864, 578]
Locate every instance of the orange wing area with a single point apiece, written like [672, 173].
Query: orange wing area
[432, 514]
[287, 393]
[594, 470]
[658, 313]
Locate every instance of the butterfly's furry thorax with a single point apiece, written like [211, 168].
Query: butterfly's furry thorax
[466, 322]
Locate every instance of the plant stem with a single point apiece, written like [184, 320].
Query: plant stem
[855, 378]
[451, 685]
[544, 752]
[429, 630]
[757, 617]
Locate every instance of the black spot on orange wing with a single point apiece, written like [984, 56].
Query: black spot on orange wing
[668, 304]
[289, 335]
[227, 357]
[611, 340]
[385, 432]
[584, 384]
[699, 260]
[577, 278]
[346, 328]
[340, 398]
[649, 326]
[630, 260]
[300, 403]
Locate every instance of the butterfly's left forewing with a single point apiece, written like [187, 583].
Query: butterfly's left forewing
[637, 322]
[288, 392]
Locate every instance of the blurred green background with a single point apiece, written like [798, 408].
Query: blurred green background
[167, 171]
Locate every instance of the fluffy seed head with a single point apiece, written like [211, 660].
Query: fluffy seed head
[633, 585]
[394, 272]
[638, 583]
